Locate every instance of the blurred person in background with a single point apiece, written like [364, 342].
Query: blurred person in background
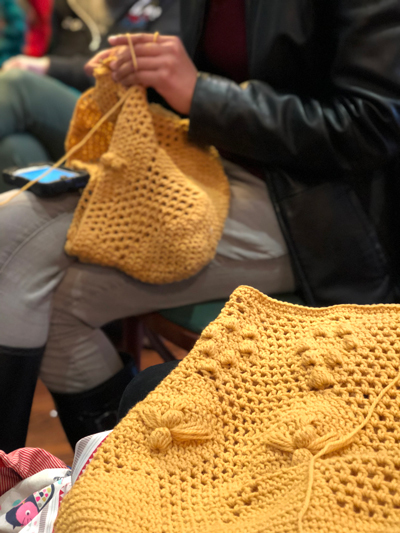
[38, 32]
[302, 99]
[12, 29]
[38, 94]
[81, 28]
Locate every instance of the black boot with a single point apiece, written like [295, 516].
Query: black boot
[85, 413]
[19, 370]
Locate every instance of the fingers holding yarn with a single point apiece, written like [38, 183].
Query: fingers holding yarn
[138, 38]
[163, 65]
[96, 61]
[125, 67]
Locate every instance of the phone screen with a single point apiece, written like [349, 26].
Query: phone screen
[31, 173]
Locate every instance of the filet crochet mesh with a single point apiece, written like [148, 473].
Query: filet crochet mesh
[225, 443]
[155, 205]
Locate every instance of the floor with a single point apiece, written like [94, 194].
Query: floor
[45, 430]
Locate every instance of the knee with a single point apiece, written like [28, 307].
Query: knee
[29, 223]
[21, 149]
[12, 212]
[16, 78]
[16, 90]
[19, 219]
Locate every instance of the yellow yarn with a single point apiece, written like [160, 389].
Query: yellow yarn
[69, 154]
[155, 205]
[281, 419]
[83, 141]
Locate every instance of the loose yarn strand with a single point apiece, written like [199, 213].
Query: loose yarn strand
[133, 54]
[70, 152]
[337, 445]
[87, 136]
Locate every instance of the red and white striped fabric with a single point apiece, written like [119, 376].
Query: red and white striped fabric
[39, 484]
[24, 463]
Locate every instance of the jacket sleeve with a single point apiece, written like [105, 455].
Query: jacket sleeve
[12, 35]
[70, 70]
[358, 128]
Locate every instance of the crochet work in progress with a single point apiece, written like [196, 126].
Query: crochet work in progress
[156, 204]
[281, 419]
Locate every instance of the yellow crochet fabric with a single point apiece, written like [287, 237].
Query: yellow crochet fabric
[282, 418]
[156, 205]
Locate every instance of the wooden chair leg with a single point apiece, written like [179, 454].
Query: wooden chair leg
[133, 333]
[158, 345]
[156, 328]
[173, 332]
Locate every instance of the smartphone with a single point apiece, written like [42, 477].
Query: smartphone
[58, 181]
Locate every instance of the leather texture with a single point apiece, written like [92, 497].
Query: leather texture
[321, 114]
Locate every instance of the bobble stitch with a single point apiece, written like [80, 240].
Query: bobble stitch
[228, 358]
[209, 349]
[333, 358]
[304, 436]
[114, 162]
[320, 379]
[310, 358]
[301, 456]
[230, 325]
[172, 418]
[303, 347]
[349, 344]
[320, 332]
[246, 348]
[169, 427]
[343, 330]
[150, 417]
[208, 366]
[210, 332]
[160, 439]
[251, 334]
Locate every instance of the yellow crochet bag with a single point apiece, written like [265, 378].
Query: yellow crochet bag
[281, 419]
[156, 204]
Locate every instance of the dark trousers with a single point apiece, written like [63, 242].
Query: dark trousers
[142, 384]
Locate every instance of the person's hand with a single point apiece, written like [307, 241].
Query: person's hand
[39, 65]
[97, 60]
[163, 65]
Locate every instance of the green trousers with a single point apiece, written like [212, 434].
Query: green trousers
[35, 112]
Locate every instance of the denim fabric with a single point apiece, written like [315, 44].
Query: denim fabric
[35, 113]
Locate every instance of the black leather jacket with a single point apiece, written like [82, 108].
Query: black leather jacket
[321, 113]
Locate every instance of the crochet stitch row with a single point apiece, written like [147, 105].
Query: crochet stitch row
[156, 204]
[281, 418]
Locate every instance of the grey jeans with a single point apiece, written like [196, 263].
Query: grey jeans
[48, 298]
